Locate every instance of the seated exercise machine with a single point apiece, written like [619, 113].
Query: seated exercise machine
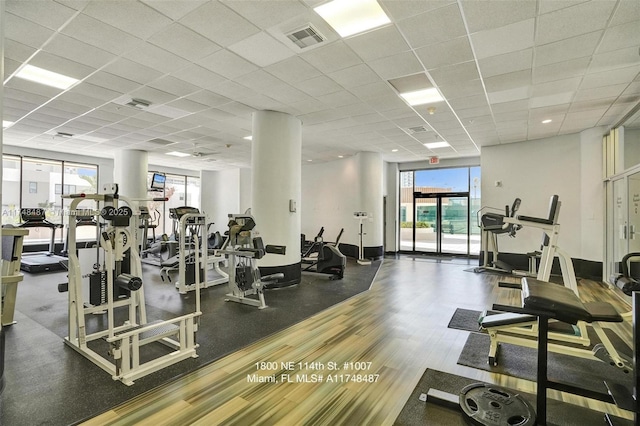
[491, 225]
[12, 240]
[192, 224]
[547, 302]
[243, 250]
[121, 296]
[324, 258]
[40, 261]
[522, 329]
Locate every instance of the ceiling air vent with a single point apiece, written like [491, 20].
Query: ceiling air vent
[138, 103]
[306, 36]
[417, 129]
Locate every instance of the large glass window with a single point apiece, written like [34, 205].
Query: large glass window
[437, 210]
[35, 182]
[11, 190]
[180, 190]
[40, 178]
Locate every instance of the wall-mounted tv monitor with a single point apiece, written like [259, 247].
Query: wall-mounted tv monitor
[157, 181]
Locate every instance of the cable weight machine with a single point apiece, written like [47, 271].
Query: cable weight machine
[123, 297]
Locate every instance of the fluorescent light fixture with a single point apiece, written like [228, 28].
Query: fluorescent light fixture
[421, 97]
[6, 124]
[349, 17]
[248, 138]
[433, 145]
[309, 160]
[178, 154]
[340, 156]
[394, 150]
[46, 77]
[547, 121]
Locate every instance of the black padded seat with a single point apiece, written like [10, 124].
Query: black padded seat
[603, 311]
[561, 303]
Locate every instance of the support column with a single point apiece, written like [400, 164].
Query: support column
[219, 196]
[245, 190]
[371, 190]
[276, 153]
[131, 167]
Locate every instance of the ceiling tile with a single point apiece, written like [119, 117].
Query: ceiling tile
[486, 15]
[627, 11]
[133, 17]
[94, 91]
[600, 92]
[229, 26]
[184, 42]
[333, 57]
[386, 41]
[614, 59]
[293, 69]
[265, 14]
[619, 37]
[174, 9]
[433, 27]
[319, 86]
[227, 64]
[261, 49]
[60, 65]
[506, 63]
[77, 51]
[450, 52]
[208, 98]
[508, 96]
[408, 8]
[17, 51]
[550, 100]
[173, 85]
[48, 14]
[453, 74]
[199, 76]
[132, 71]
[572, 48]
[26, 32]
[396, 66]
[157, 58]
[462, 89]
[561, 70]
[508, 81]
[112, 82]
[620, 75]
[354, 76]
[96, 33]
[553, 87]
[563, 24]
[510, 38]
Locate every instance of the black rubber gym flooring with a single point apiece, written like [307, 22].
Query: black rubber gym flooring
[48, 383]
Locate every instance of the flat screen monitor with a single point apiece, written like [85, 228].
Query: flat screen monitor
[157, 181]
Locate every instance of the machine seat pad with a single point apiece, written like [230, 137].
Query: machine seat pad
[603, 311]
[554, 301]
[498, 320]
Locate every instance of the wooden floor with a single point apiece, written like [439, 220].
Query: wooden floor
[392, 333]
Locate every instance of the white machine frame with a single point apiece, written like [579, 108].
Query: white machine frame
[11, 274]
[206, 262]
[512, 333]
[126, 340]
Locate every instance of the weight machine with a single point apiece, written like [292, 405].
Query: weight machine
[243, 250]
[521, 329]
[192, 224]
[121, 291]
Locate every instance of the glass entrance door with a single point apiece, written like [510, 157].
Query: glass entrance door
[454, 225]
[441, 223]
[425, 227]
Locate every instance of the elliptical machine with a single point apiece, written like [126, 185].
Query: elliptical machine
[491, 225]
[324, 258]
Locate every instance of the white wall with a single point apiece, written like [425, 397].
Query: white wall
[569, 166]
[330, 194]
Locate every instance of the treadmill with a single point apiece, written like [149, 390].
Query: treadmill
[45, 260]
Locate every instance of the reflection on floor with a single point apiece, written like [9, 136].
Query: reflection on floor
[49, 383]
[370, 350]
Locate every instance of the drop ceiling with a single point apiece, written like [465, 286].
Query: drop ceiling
[204, 66]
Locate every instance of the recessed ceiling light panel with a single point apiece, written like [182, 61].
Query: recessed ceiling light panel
[548, 120]
[349, 17]
[433, 145]
[46, 77]
[6, 124]
[421, 97]
[178, 154]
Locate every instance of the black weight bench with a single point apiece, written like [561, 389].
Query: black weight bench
[552, 302]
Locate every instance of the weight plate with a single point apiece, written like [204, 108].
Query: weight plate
[490, 405]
